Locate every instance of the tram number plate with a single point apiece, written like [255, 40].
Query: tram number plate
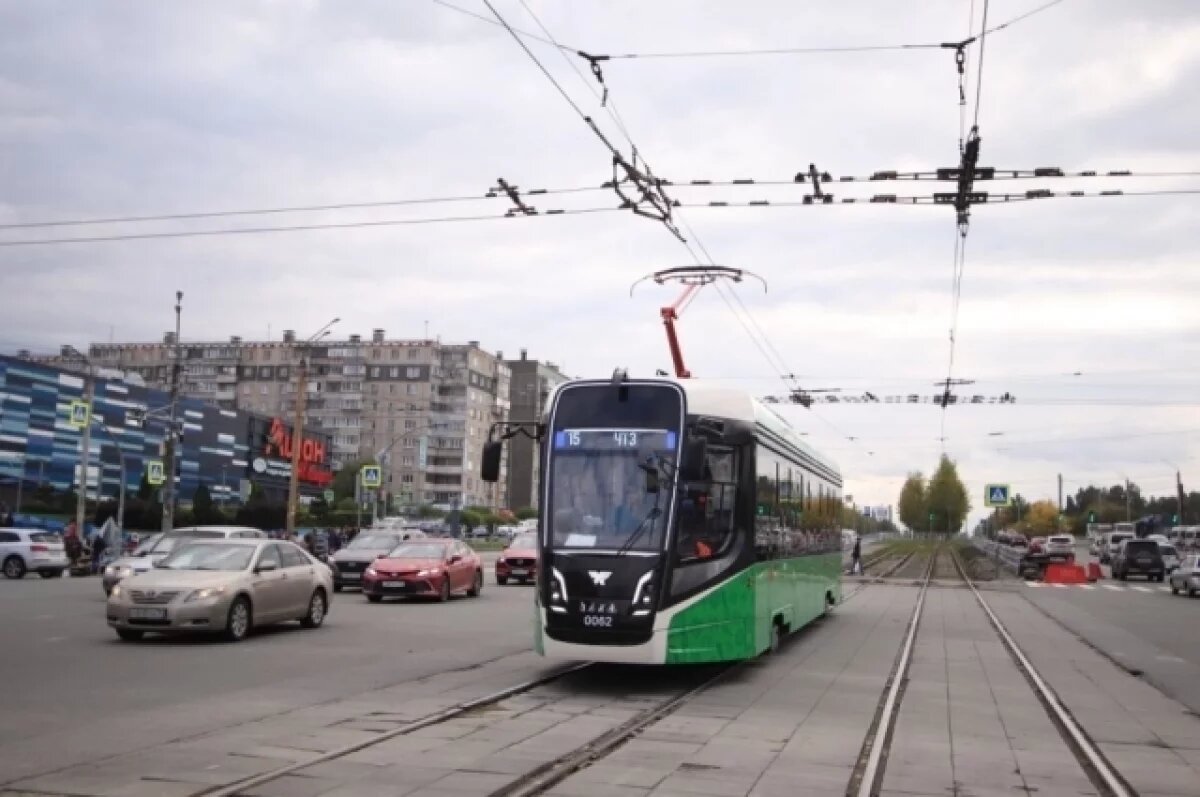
[597, 621]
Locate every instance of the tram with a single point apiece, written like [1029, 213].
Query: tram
[680, 521]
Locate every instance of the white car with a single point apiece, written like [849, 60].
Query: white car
[1170, 556]
[1060, 545]
[1186, 577]
[23, 550]
[156, 548]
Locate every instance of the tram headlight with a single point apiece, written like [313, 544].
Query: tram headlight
[558, 591]
[643, 594]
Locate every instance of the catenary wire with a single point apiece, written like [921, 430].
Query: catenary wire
[482, 18]
[979, 68]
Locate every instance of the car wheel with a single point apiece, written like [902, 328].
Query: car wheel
[239, 620]
[776, 637]
[501, 580]
[130, 634]
[477, 586]
[374, 598]
[444, 593]
[14, 567]
[1174, 589]
[316, 610]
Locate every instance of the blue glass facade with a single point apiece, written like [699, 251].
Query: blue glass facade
[38, 444]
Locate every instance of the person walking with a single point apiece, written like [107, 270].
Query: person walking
[71, 543]
[98, 546]
[856, 557]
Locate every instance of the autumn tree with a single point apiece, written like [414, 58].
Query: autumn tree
[946, 498]
[912, 503]
[1042, 518]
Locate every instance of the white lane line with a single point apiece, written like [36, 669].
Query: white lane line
[1141, 589]
[1171, 659]
[1164, 589]
[1033, 583]
[1113, 587]
[1062, 586]
[1087, 586]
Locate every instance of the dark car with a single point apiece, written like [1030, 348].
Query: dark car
[350, 562]
[430, 568]
[1139, 558]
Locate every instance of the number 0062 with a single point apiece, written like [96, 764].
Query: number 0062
[597, 620]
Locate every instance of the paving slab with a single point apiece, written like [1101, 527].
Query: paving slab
[1153, 740]
[963, 706]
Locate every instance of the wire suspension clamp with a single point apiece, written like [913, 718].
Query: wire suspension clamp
[521, 209]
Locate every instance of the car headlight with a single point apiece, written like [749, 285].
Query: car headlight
[370, 571]
[203, 594]
[500, 561]
[116, 592]
[432, 572]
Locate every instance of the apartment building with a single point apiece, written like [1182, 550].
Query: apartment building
[532, 382]
[422, 406]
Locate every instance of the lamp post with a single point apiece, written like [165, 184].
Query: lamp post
[168, 507]
[85, 448]
[1178, 490]
[298, 424]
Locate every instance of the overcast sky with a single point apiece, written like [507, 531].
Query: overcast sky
[130, 108]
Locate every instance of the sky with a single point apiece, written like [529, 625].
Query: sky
[1084, 309]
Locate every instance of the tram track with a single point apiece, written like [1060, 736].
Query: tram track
[867, 780]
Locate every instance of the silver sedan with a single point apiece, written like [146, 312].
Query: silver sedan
[227, 586]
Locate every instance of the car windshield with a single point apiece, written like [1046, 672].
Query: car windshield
[378, 542]
[147, 545]
[524, 541]
[1168, 550]
[167, 544]
[44, 537]
[1141, 546]
[418, 550]
[209, 556]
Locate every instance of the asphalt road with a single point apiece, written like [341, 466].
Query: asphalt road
[1141, 626]
[73, 690]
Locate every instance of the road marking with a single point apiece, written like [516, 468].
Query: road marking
[1086, 586]
[1141, 589]
[1033, 583]
[1062, 586]
[1164, 589]
[1171, 659]
[1113, 587]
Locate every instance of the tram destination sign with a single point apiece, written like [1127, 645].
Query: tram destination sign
[615, 439]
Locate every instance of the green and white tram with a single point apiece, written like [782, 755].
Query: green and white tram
[680, 522]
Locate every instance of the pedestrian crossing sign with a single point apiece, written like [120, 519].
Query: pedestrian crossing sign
[154, 473]
[371, 476]
[80, 413]
[996, 495]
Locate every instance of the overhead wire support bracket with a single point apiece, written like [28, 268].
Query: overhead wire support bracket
[816, 178]
[594, 63]
[521, 209]
[966, 179]
[692, 278]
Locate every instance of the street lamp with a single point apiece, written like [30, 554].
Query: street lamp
[1178, 489]
[168, 504]
[85, 448]
[298, 424]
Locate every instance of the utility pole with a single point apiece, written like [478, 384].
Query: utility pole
[1179, 495]
[1060, 493]
[85, 449]
[168, 509]
[1128, 503]
[297, 441]
[21, 482]
[298, 424]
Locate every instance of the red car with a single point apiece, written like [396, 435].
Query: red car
[1037, 545]
[518, 561]
[431, 568]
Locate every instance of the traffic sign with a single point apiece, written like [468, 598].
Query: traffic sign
[80, 414]
[154, 472]
[996, 495]
[371, 476]
[329, 496]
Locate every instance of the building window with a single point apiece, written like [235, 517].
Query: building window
[413, 354]
[412, 389]
[374, 354]
[265, 390]
[375, 372]
[414, 373]
[410, 424]
[394, 372]
[395, 354]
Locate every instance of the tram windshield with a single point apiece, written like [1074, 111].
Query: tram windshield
[600, 449]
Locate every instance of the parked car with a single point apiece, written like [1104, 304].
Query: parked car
[350, 562]
[228, 586]
[156, 547]
[1037, 545]
[25, 550]
[1138, 557]
[435, 568]
[1186, 577]
[518, 561]
[1060, 545]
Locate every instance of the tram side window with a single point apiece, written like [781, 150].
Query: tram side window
[706, 509]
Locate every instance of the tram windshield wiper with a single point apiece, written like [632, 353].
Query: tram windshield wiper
[645, 524]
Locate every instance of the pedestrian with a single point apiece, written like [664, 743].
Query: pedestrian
[856, 556]
[71, 544]
[98, 546]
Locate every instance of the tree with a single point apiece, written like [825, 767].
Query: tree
[203, 510]
[947, 498]
[345, 479]
[1042, 518]
[526, 513]
[912, 503]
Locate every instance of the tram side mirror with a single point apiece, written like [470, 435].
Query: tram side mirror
[489, 469]
[693, 459]
[651, 479]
